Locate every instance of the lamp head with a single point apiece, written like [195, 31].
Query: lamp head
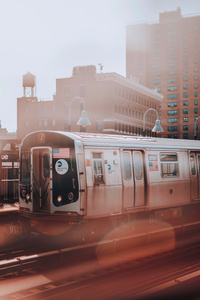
[84, 121]
[157, 128]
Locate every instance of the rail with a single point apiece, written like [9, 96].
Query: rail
[107, 248]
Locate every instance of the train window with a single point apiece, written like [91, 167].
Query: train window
[98, 168]
[138, 166]
[127, 165]
[169, 164]
[46, 165]
[25, 167]
[192, 165]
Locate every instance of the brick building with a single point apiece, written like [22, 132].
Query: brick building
[114, 104]
[165, 56]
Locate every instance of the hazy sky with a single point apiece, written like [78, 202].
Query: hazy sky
[49, 37]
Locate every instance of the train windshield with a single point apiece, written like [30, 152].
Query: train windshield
[25, 167]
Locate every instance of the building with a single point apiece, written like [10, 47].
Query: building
[165, 56]
[114, 104]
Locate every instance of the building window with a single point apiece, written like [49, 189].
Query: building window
[185, 103]
[156, 74]
[195, 61]
[172, 128]
[185, 78]
[195, 85]
[155, 66]
[172, 136]
[172, 72]
[173, 96]
[196, 94]
[172, 88]
[172, 120]
[172, 112]
[172, 64]
[196, 110]
[53, 122]
[140, 74]
[185, 127]
[169, 164]
[45, 123]
[195, 77]
[185, 95]
[185, 62]
[185, 111]
[185, 119]
[156, 82]
[185, 86]
[195, 102]
[195, 69]
[185, 135]
[172, 104]
[185, 70]
[172, 80]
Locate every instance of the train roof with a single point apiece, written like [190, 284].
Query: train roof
[92, 139]
[97, 139]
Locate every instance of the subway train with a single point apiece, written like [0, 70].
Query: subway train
[77, 177]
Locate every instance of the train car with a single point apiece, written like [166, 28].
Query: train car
[82, 176]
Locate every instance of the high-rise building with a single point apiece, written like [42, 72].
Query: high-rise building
[165, 55]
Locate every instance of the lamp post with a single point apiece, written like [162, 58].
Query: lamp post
[83, 121]
[157, 128]
[195, 130]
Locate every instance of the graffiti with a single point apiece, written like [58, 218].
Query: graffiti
[15, 229]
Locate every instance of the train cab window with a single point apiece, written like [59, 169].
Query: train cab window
[192, 165]
[169, 164]
[138, 166]
[46, 165]
[127, 165]
[98, 168]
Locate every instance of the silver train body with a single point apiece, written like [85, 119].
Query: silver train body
[80, 176]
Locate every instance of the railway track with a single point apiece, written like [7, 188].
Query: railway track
[169, 269]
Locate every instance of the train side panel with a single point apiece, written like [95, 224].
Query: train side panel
[104, 182]
[168, 178]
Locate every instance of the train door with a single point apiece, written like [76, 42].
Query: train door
[133, 179]
[40, 177]
[194, 160]
[138, 170]
[128, 181]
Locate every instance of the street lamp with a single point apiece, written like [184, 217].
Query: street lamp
[157, 128]
[83, 121]
[195, 130]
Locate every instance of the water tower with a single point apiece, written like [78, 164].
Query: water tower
[29, 85]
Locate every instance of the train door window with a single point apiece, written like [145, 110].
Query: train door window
[192, 165]
[46, 165]
[199, 163]
[138, 165]
[127, 165]
[98, 168]
[169, 164]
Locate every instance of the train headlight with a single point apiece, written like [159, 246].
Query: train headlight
[28, 197]
[59, 199]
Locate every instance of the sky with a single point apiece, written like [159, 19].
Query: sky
[50, 37]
